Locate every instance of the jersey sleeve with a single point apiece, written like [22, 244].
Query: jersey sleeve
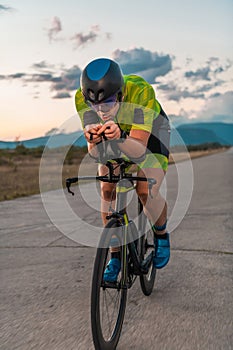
[80, 105]
[147, 109]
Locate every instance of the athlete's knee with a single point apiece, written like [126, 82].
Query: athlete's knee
[107, 194]
[142, 194]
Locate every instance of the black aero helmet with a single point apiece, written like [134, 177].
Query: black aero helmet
[101, 79]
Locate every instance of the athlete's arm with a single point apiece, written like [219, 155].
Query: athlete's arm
[134, 146]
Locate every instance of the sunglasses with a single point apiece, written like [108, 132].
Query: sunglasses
[104, 106]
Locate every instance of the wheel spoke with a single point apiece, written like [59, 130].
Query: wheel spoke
[111, 303]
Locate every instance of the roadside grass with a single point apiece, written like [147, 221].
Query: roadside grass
[19, 168]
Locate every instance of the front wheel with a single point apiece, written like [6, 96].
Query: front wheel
[108, 301]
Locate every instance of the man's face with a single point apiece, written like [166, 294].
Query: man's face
[107, 109]
[109, 114]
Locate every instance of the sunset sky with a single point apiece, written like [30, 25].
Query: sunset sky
[184, 48]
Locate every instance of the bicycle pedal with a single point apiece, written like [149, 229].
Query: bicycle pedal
[111, 285]
[150, 245]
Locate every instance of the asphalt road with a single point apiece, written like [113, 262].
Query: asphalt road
[46, 277]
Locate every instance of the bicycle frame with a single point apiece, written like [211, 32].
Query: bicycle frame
[124, 184]
[123, 187]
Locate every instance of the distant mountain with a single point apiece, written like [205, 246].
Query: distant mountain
[199, 133]
[59, 140]
[190, 134]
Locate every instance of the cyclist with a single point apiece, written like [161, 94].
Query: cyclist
[127, 111]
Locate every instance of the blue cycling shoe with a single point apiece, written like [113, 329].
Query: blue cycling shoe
[162, 251]
[112, 270]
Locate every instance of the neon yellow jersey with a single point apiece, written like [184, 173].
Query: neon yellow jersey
[139, 108]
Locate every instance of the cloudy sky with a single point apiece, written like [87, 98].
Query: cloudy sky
[184, 48]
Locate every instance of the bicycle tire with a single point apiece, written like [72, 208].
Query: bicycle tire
[147, 281]
[105, 339]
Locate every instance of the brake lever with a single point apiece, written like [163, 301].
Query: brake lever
[151, 182]
[68, 184]
[103, 134]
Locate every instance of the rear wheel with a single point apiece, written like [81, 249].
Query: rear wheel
[146, 247]
[108, 300]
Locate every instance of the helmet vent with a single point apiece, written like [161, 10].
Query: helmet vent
[91, 94]
[100, 95]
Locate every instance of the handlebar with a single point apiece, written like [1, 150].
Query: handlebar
[110, 177]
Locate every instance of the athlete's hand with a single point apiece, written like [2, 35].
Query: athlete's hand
[111, 130]
[91, 133]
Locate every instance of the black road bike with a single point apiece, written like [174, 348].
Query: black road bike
[136, 244]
